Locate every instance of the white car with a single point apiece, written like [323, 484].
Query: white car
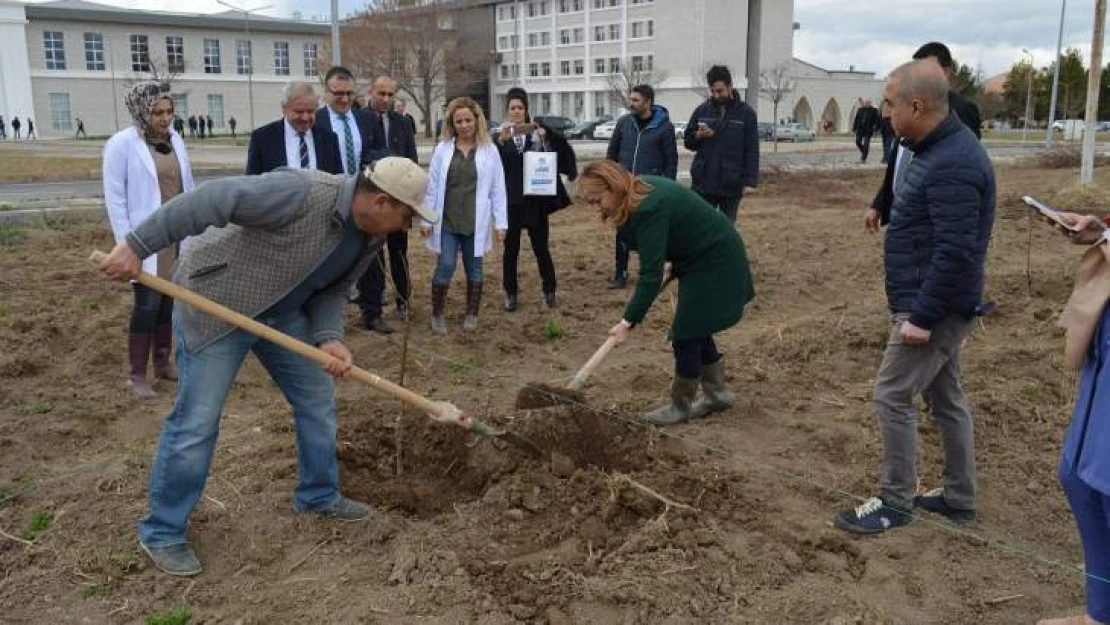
[605, 131]
[679, 130]
[794, 132]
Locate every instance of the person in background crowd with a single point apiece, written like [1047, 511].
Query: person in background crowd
[399, 108]
[291, 141]
[231, 123]
[16, 125]
[865, 125]
[667, 223]
[3, 130]
[192, 126]
[145, 165]
[518, 136]
[644, 144]
[80, 129]
[466, 190]
[208, 120]
[355, 130]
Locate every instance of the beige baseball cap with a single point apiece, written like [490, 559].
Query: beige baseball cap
[404, 181]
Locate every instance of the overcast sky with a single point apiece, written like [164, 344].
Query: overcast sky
[872, 35]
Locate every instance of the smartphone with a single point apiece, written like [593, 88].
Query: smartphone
[524, 129]
[1050, 213]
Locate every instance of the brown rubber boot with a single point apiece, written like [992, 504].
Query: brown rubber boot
[439, 302]
[473, 303]
[138, 349]
[163, 347]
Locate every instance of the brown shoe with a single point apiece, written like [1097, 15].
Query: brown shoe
[379, 325]
[163, 347]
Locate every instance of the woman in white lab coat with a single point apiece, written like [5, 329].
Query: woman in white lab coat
[145, 165]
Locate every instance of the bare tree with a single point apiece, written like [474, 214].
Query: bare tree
[775, 84]
[416, 44]
[637, 71]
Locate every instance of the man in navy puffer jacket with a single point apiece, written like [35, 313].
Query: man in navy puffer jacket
[936, 248]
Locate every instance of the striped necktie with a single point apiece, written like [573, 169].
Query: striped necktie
[303, 150]
[349, 145]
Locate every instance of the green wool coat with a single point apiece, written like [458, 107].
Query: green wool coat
[707, 258]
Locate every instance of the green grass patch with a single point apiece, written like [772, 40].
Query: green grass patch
[466, 366]
[33, 408]
[4, 206]
[10, 235]
[553, 331]
[95, 590]
[40, 522]
[176, 616]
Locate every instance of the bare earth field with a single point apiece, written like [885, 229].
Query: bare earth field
[721, 521]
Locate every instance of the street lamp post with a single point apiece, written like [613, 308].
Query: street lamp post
[1028, 98]
[1056, 77]
[250, 48]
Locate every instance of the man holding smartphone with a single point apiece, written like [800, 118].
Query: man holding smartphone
[724, 134]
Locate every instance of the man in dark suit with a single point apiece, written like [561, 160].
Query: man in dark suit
[898, 159]
[354, 129]
[292, 141]
[397, 134]
[399, 108]
[867, 122]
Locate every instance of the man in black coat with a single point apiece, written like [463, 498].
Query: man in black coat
[354, 129]
[291, 141]
[898, 159]
[867, 121]
[397, 135]
[725, 136]
[399, 108]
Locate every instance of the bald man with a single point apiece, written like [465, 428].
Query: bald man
[865, 125]
[934, 255]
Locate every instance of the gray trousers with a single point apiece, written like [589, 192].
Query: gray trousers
[932, 370]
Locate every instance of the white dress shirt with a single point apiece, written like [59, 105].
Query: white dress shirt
[337, 128]
[293, 148]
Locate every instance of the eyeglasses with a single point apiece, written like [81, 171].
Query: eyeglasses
[342, 94]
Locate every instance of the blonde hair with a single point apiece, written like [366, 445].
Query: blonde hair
[606, 175]
[481, 130]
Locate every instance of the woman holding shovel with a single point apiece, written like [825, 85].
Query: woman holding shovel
[665, 222]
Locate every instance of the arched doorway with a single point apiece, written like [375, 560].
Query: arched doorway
[803, 112]
[830, 117]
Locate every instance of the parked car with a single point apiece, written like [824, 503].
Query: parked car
[555, 122]
[795, 132]
[605, 131]
[585, 130]
[1102, 126]
[766, 131]
[679, 130]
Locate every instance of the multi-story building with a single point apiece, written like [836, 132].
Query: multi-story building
[66, 59]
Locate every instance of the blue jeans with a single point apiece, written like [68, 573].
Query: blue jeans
[1092, 516]
[189, 433]
[450, 246]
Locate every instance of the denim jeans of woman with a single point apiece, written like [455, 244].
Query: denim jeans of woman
[451, 246]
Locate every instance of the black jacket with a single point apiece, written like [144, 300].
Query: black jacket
[266, 151]
[940, 227]
[521, 205]
[968, 114]
[647, 152]
[402, 142]
[373, 145]
[729, 160]
[867, 121]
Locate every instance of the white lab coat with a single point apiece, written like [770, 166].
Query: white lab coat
[131, 190]
[490, 203]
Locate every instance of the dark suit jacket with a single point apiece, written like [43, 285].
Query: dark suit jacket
[968, 113]
[402, 141]
[373, 145]
[267, 150]
[513, 163]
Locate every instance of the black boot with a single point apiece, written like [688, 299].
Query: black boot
[619, 281]
[439, 302]
[138, 348]
[715, 395]
[678, 410]
[163, 347]
[473, 303]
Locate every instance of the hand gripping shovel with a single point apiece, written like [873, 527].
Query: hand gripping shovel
[440, 411]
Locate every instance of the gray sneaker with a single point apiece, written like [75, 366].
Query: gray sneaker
[346, 510]
[176, 560]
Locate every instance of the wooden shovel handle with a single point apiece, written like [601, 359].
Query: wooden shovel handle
[591, 364]
[440, 411]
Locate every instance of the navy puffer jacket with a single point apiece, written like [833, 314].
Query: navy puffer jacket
[651, 151]
[940, 227]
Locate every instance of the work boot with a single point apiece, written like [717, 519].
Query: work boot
[178, 560]
[715, 395]
[439, 302]
[163, 346]
[683, 391]
[509, 305]
[550, 300]
[473, 303]
[378, 324]
[619, 281]
[138, 348]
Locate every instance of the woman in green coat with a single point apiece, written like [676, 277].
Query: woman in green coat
[665, 222]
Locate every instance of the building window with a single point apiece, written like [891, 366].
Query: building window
[641, 1]
[599, 66]
[570, 6]
[545, 38]
[614, 65]
[504, 72]
[140, 53]
[637, 63]
[564, 103]
[534, 70]
[614, 32]
[579, 35]
[94, 52]
[243, 61]
[211, 56]
[600, 98]
[606, 4]
[564, 37]
[643, 29]
[281, 58]
[60, 116]
[599, 33]
[545, 68]
[54, 49]
[180, 105]
[545, 106]
[216, 109]
[564, 68]
[310, 60]
[506, 13]
[175, 54]
[579, 67]
[533, 40]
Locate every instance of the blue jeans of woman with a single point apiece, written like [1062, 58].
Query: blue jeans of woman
[188, 439]
[451, 246]
[1092, 515]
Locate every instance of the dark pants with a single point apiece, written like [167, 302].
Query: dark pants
[371, 285]
[152, 309]
[888, 145]
[863, 142]
[1091, 509]
[727, 204]
[692, 355]
[622, 254]
[538, 234]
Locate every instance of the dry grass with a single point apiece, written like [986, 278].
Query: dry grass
[30, 168]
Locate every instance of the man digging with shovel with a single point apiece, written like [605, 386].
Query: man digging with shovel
[282, 248]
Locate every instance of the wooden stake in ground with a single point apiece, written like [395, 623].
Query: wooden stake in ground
[1087, 169]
